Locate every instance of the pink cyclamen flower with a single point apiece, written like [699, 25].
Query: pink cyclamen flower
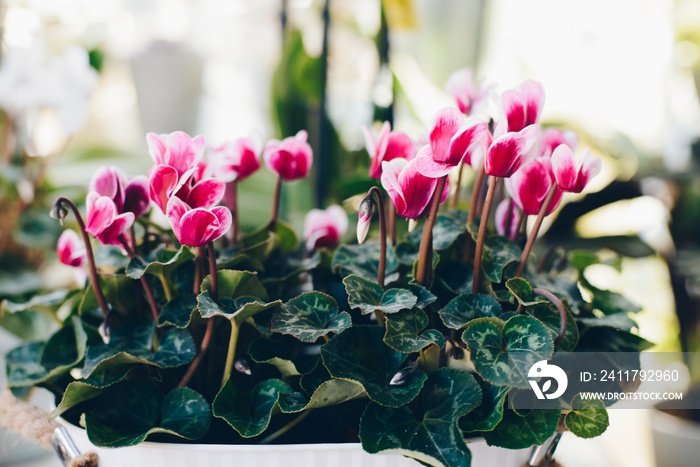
[128, 194]
[451, 140]
[508, 152]
[530, 184]
[470, 99]
[290, 158]
[521, 107]
[197, 226]
[504, 226]
[70, 250]
[388, 145]
[569, 176]
[237, 159]
[410, 191]
[325, 228]
[104, 221]
[552, 137]
[178, 150]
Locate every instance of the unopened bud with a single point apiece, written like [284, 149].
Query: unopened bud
[412, 224]
[58, 212]
[364, 218]
[242, 366]
[402, 376]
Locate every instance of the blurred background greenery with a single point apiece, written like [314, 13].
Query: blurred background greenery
[623, 74]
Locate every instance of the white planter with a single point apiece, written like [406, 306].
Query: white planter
[676, 441]
[310, 455]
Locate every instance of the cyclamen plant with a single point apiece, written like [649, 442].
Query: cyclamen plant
[195, 332]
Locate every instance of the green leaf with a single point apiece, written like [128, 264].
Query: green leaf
[178, 311]
[130, 411]
[502, 353]
[363, 260]
[424, 296]
[588, 418]
[549, 315]
[581, 259]
[248, 410]
[252, 254]
[120, 292]
[359, 354]
[239, 309]
[445, 232]
[518, 432]
[609, 302]
[131, 343]
[309, 317]
[284, 237]
[35, 362]
[403, 332]
[466, 307]
[618, 321]
[282, 352]
[368, 296]
[499, 252]
[489, 413]
[428, 433]
[235, 284]
[160, 261]
[458, 278]
[47, 302]
[522, 291]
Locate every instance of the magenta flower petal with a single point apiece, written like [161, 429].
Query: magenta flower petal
[290, 158]
[175, 210]
[206, 193]
[460, 85]
[472, 137]
[530, 184]
[509, 152]
[162, 183]
[504, 227]
[570, 177]
[70, 250]
[107, 182]
[156, 148]
[197, 227]
[236, 160]
[325, 228]
[416, 191]
[136, 197]
[225, 219]
[552, 137]
[111, 235]
[533, 96]
[445, 125]
[522, 107]
[426, 164]
[100, 215]
[514, 109]
[184, 152]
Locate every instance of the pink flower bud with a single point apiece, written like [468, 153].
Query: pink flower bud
[521, 107]
[104, 222]
[70, 249]
[530, 184]
[569, 176]
[504, 226]
[387, 146]
[325, 228]
[290, 158]
[199, 226]
[410, 191]
[364, 217]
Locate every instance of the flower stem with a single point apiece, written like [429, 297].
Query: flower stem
[276, 204]
[426, 242]
[391, 211]
[232, 202]
[286, 428]
[92, 268]
[481, 238]
[560, 308]
[535, 229]
[381, 269]
[209, 331]
[198, 272]
[167, 289]
[150, 298]
[231, 353]
[478, 183]
[454, 202]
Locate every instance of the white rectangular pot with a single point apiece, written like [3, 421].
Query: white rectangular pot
[295, 455]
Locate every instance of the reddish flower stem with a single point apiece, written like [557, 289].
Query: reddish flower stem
[391, 214]
[276, 204]
[560, 308]
[454, 202]
[232, 202]
[535, 229]
[92, 268]
[150, 298]
[426, 242]
[209, 331]
[481, 237]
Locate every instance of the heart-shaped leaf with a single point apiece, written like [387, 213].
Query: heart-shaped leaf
[235, 284]
[520, 432]
[309, 317]
[178, 311]
[616, 321]
[425, 297]
[160, 261]
[132, 343]
[549, 315]
[522, 291]
[368, 296]
[490, 411]
[403, 332]
[238, 309]
[130, 411]
[428, 432]
[466, 307]
[499, 252]
[359, 354]
[248, 410]
[609, 302]
[503, 353]
[283, 352]
[47, 302]
[363, 259]
[36, 362]
[588, 418]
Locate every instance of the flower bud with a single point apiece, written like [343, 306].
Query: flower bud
[59, 212]
[364, 218]
[242, 365]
